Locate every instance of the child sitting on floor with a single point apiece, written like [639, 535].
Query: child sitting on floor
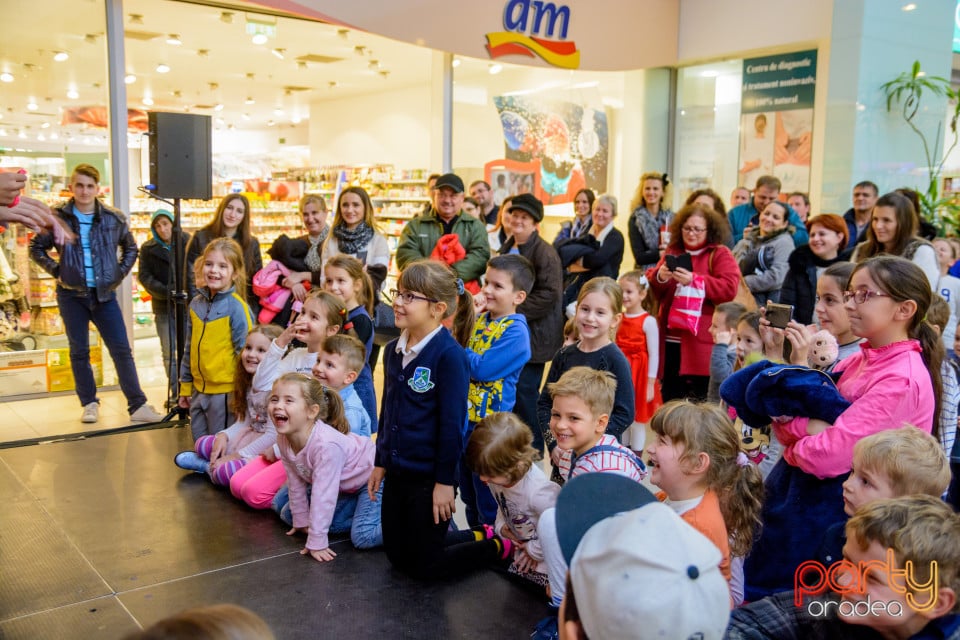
[697, 463]
[339, 362]
[500, 453]
[223, 455]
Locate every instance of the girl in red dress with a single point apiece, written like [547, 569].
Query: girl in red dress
[639, 337]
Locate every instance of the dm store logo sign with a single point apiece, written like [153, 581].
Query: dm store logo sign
[527, 26]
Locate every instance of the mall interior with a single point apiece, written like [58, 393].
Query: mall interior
[104, 535]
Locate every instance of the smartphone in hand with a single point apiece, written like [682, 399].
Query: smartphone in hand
[682, 261]
[779, 315]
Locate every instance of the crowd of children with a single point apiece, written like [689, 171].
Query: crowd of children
[745, 496]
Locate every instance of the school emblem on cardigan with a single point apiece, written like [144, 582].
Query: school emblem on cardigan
[420, 380]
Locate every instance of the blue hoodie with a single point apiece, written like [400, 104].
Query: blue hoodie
[497, 351]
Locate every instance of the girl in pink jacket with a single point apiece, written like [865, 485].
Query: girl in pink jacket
[894, 380]
[327, 467]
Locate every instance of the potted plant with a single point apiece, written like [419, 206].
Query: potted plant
[906, 92]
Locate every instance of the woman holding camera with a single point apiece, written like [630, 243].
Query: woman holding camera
[697, 234]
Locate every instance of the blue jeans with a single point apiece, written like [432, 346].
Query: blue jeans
[78, 309]
[163, 320]
[354, 513]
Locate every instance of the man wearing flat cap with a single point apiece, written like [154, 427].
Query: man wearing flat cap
[420, 235]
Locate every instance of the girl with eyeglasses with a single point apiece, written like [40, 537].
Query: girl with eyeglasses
[422, 421]
[893, 380]
[702, 233]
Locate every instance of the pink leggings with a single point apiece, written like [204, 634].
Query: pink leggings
[204, 447]
[258, 482]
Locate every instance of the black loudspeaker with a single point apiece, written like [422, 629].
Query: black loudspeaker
[180, 158]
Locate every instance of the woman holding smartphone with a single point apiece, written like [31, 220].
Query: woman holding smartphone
[763, 255]
[698, 236]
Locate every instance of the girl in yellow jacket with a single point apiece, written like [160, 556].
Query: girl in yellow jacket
[218, 323]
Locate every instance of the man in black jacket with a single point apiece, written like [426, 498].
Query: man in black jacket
[88, 273]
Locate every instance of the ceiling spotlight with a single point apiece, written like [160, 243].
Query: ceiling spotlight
[148, 101]
[32, 106]
[219, 121]
[45, 125]
[245, 116]
[41, 137]
[3, 133]
[73, 94]
[251, 76]
[278, 53]
[203, 53]
[6, 77]
[29, 66]
[226, 16]
[218, 107]
[295, 119]
[249, 100]
[260, 38]
[90, 38]
[343, 33]
[213, 86]
[373, 65]
[270, 123]
[130, 78]
[60, 56]
[278, 111]
[384, 73]
[177, 93]
[302, 66]
[174, 39]
[22, 135]
[136, 18]
[455, 63]
[359, 49]
[162, 68]
[54, 136]
[332, 84]
[909, 6]
[495, 69]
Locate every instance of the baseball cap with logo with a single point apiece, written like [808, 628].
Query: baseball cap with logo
[637, 569]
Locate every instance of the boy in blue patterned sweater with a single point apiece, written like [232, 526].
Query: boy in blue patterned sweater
[497, 351]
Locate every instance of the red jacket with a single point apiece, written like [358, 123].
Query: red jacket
[721, 276]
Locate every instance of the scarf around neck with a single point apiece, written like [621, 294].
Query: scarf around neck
[351, 241]
[313, 253]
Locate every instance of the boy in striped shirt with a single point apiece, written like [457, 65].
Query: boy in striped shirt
[582, 403]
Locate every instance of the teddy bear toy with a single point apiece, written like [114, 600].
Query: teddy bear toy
[823, 350]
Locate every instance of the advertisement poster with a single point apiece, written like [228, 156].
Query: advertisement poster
[565, 144]
[776, 119]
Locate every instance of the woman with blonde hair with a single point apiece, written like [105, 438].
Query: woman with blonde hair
[649, 219]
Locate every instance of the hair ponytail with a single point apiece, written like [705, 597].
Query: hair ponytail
[933, 354]
[328, 401]
[464, 319]
[740, 504]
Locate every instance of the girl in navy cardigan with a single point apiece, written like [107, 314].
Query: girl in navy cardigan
[422, 420]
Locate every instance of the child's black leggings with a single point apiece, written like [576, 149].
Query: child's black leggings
[414, 544]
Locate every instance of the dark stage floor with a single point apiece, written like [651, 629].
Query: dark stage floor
[104, 535]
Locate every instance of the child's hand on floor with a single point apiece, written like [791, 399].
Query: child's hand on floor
[320, 555]
[444, 501]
